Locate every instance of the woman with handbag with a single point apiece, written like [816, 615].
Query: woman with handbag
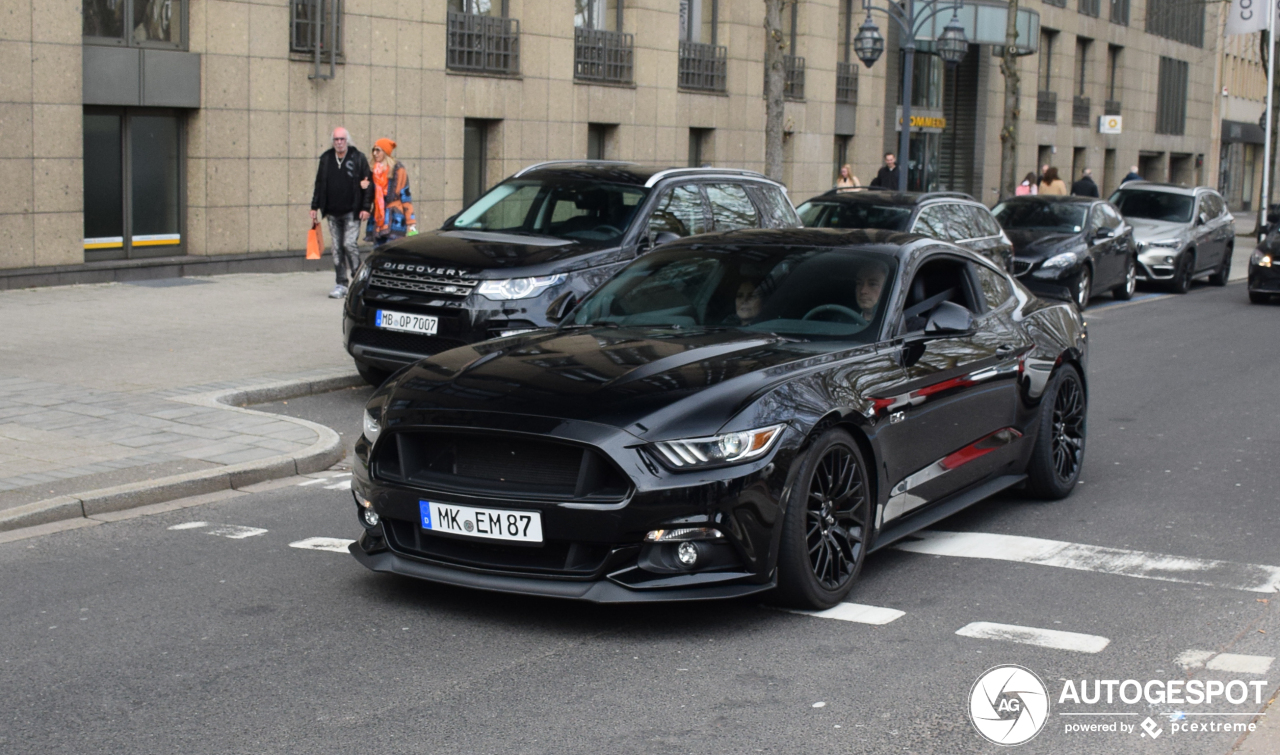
[392, 215]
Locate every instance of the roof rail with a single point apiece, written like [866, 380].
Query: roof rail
[844, 189]
[546, 163]
[947, 195]
[656, 177]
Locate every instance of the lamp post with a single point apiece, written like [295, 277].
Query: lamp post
[951, 45]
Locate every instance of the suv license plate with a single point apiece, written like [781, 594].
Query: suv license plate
[496, 524]
[406, 322]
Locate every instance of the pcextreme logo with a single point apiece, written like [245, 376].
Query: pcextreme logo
[1009, 705]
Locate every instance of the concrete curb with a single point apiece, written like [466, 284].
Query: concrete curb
[322, 454]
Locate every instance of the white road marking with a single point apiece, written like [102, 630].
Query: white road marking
[856, 612]
[313, 482]
[344, 485]
[235, 531]
[1045, 638]
[331, 544]
[189, 526]
[1033, 550]
[1232, 662]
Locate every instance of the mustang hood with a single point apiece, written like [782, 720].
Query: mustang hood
[666, 380]
[1034, 245]
[471, 253]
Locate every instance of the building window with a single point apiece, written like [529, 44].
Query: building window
[792, 64]
[841, 155]
[699, 147]
[1113, 80]
[1059, 3]
[1080, 103]
[133, 183]
[599, 136]
[481, 39]
[315, 22]
[475, 159]
[135, 23]
[1046, 98]
[846, 66]
[926, 80]
[1090, 7]
[703, 64]
[602, 52]
[1171, 97]
[1179, 20]
[1120, 12]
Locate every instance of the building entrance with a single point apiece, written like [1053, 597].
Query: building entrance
[133, 178]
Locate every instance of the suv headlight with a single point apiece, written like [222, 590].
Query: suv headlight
[372, 427]
[1066, 259]
[362, 274]
[1166, 243]
[718, 450]
[518, 288]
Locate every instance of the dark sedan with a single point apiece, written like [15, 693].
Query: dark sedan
[1070, 247]
[1264, 270]
[731, 414]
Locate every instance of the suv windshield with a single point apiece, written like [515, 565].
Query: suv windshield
[583, 210]
[806, 293]
[1154, 205]
[854, 215]
[1048, 216]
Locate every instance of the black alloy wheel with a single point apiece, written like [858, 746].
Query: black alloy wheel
[1223, 273]
[824, 534]
[1124, 291]
[372, 375]
[1182, 272]
[1084, 288]
[1059, 451]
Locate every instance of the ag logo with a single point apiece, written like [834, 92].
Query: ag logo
[1009, 705]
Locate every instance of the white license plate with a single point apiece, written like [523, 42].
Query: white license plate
[496, 524]
[404, 321]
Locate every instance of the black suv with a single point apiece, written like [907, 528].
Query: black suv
[543, 237]
[943, 215]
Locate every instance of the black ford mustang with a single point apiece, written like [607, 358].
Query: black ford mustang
[730, 414]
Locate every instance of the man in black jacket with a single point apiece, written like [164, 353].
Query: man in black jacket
[887, 178]
[1085, 187]
[343, 193]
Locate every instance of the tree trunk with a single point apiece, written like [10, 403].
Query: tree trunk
[775, 44]
[1012, 90]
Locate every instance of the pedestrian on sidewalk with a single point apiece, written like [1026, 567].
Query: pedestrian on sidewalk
[846, 179]
[392, 216]
[1030, 185]
[1051, 184]
[1133, 175]
[343, 194]
[887, 178]
[1085, 187]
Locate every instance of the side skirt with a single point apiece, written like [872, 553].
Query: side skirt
[946, 508]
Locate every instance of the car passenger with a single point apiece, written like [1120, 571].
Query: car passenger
[869, 285]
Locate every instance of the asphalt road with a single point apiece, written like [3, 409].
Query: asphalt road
[136, 637]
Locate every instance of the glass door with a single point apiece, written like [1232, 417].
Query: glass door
[132, 183]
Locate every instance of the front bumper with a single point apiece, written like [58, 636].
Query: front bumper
[1264, 280]
[1054, 284]
[1157, 263]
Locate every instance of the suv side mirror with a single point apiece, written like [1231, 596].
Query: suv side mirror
[949, 318]
[658, 239]
[1102, 233]
[561, 306]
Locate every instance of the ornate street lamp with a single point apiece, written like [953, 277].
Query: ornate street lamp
[951, 46]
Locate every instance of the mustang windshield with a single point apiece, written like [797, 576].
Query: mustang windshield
[1154, 205]
[1045, 216]
[804, 293]
[583, 210]
[854, 215]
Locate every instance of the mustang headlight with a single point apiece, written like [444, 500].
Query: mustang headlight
[1260, 258]
[719, 450]
[372, 427]
[1066, 259]
[518, 288]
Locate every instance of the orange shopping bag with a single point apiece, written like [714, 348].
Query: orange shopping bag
[315, 242]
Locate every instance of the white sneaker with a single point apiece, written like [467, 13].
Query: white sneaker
[338, 292]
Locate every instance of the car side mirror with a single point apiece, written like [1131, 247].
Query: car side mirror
[658, 239]
[1102, 233]
[449, 220]
[949, 318]
[561, 306]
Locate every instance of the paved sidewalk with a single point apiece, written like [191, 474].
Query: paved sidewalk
[116, 395]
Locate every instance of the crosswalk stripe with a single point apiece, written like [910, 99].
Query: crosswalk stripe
[331, 544]
[856, 612]
[1232, 662]
[1129, 563]
[1045, 638]
[235, 531]
[189, 526]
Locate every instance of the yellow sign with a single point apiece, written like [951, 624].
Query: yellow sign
[923, 121]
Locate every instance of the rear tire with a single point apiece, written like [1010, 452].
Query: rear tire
[372, 375]
[826, 525]
[1058, 455]
[1124, 291]
[1182, 273]
[1223, 273]
[1258, 297]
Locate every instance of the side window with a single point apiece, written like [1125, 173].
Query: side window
[986, 223]
[776, 206]
[679, 211]
[995, 287]
[963, 225]
[1110, 218]
[938, 279]
[1215, 205]
[1095, 218]
[731, 208]
[1204, 213]
[931, 222]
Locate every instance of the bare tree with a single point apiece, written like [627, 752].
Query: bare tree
[1012, 90]
[775, 45]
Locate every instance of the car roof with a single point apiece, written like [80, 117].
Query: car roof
[627, 173]
[1165, 187]
[888, 243]
[867, 195]
[1053, 199]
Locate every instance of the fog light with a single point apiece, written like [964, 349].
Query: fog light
[1168, 260]
[687, 553]
[370, 517]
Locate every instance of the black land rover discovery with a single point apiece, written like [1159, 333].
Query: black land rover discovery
[543, 237]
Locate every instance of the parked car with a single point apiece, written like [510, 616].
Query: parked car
[551, 232]
[1182, 232]
[1070, 246]
[943, 215]
[1264, 270]
[728, 415]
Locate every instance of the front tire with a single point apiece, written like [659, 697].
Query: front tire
[372, 375]
[1182, 274]
[1059, 451]
[1124, 291]
[825, 529]
[1084, 289]
[1223, 273]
